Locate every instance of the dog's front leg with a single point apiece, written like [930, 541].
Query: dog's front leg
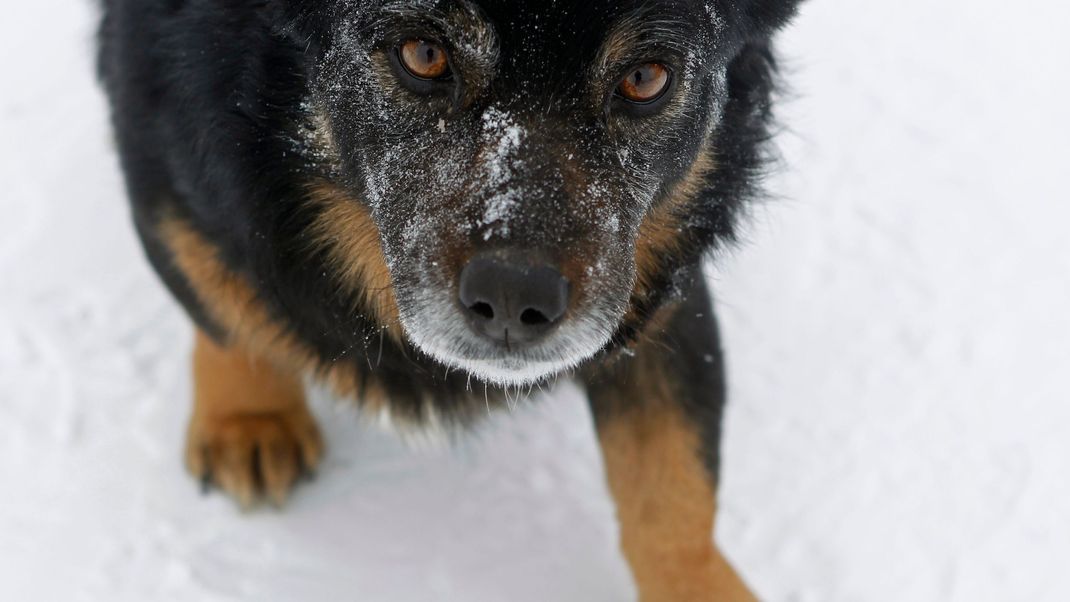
[658, 418]
[251, 432]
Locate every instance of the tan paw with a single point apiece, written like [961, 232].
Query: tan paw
[254, 455]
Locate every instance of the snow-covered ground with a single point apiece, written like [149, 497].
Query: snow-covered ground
[898, 327]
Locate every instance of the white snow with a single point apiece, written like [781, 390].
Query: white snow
[505, 136]
[897, 328]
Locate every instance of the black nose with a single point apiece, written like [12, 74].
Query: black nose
[511, 301]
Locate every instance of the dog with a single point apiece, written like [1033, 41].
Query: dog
[434, 205]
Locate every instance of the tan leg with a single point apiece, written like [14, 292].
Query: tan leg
[665, 505]
[251, 432]
[658, 411]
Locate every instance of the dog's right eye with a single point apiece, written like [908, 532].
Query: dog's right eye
[646, 83]
[424, 60]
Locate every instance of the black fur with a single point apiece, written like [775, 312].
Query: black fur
[207, 101]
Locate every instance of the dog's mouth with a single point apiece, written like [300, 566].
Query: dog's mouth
[454, 344]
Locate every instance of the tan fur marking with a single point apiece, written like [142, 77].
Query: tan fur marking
[346, 229]
[233, 305]
[229, 299]
[661, 233]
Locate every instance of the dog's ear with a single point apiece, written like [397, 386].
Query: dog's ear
[772, 14]
[758, 18]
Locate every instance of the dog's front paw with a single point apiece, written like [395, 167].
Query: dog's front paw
[254, 455]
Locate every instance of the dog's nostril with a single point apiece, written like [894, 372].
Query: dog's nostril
[533, 317]
[483, 309]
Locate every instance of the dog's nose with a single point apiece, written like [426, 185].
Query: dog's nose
[511, 301]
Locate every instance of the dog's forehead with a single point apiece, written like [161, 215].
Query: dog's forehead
[571, 24]
[564, 35]
[547, 38]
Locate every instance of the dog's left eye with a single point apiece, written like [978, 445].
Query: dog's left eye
[424, 60]
[645, 83]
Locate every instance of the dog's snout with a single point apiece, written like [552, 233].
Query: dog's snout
[512, 301]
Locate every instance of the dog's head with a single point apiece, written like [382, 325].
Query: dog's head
[525, 162]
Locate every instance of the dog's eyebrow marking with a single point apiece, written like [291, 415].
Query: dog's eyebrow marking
[461, 22]
[648, 34]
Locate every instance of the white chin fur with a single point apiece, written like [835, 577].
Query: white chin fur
[507, 374]
[510, 371]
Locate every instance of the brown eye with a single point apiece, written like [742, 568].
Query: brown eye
[645, 83]
[425, 60]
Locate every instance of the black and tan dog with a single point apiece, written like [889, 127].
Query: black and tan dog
[432, 204]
